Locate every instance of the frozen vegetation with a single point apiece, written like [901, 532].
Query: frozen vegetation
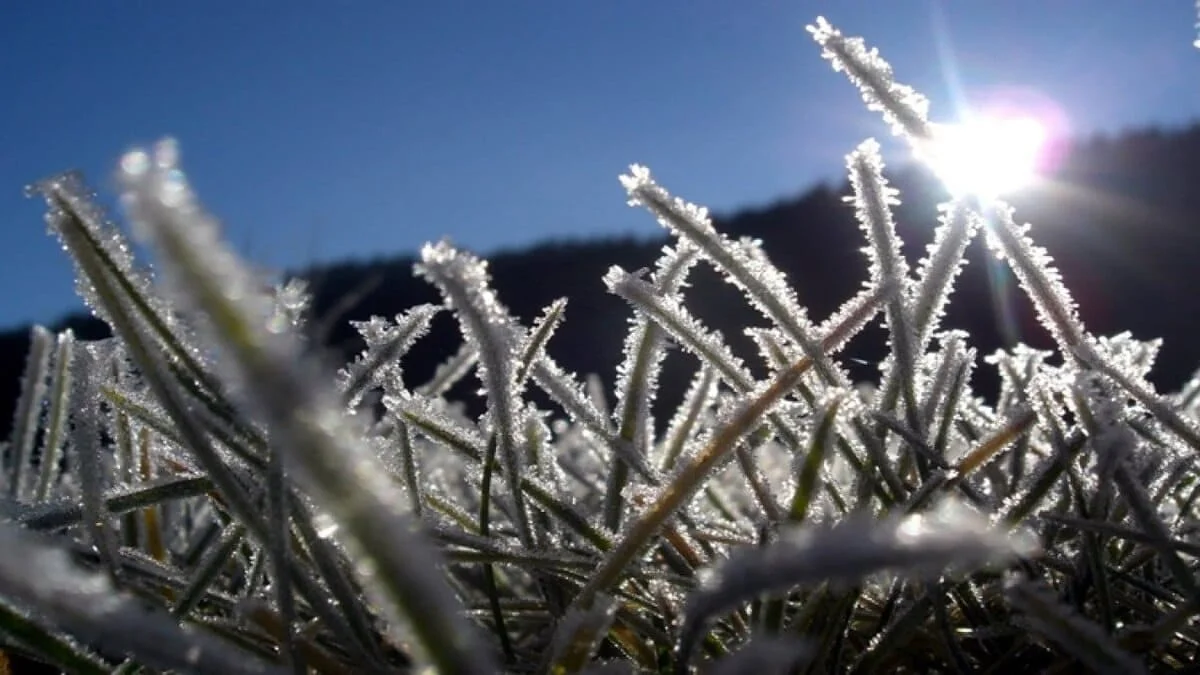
[197, 494]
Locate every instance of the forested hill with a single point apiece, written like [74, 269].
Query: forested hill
[1121, 218]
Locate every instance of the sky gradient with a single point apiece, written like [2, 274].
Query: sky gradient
[322, 130]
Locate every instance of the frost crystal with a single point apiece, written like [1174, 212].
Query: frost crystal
[637, 374]
[919, 544]
[464, 281]
[956, 228]
[905, 110]
[1040, 279]
[743, 263]
[18, 455]
[671, 315]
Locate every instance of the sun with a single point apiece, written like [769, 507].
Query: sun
[986, 157]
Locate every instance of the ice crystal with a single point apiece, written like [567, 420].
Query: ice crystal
[872, 199]
[637, 374]
[386, 342]
[919, 544]
[905, 111]
[34, 383]
[742, 263]
[72, 212]
[1041, 280]
[669, 313]
[938, 270]
[465, 283]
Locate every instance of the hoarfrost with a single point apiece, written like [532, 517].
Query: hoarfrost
[904, 110]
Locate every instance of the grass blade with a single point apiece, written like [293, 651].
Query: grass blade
[949, 536]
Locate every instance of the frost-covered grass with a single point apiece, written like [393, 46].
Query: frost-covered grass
[227, 506]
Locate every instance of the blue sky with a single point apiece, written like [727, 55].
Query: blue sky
[320, 130]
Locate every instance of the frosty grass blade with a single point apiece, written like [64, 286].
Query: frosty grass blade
[397, 566]
[916, 545]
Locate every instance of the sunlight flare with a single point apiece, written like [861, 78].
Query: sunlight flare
[986, 157]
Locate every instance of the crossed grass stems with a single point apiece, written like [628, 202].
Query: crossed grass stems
[226, 508]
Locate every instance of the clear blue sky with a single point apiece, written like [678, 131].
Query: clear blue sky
[319, 130]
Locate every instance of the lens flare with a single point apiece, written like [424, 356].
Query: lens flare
[986, 157]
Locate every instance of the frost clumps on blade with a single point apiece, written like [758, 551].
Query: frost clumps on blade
[872, 199]
[386, 341]
[87, 605]
[742, 263]
[70, 206]
[637, 374]
[399, 568]
[34, 382]
[850, 551]
[1039, 278]
[98, 247]
[291, 301]
[671, 315]
[463, 280]
[905, 110]
[956, 229]
[166, 213]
